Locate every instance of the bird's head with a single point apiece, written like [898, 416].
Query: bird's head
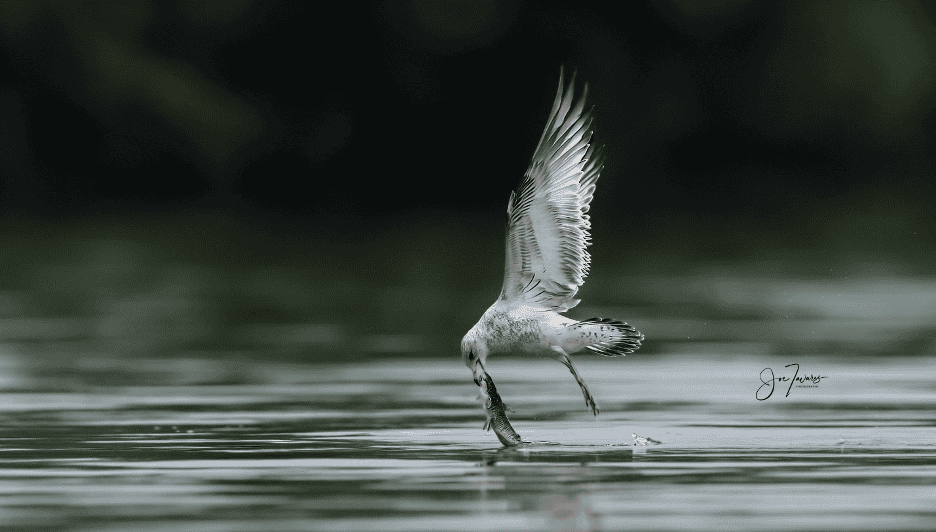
[473, 354]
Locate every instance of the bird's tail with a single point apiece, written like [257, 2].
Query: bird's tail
[611, 338]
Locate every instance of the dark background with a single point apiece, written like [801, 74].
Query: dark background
[316, 177]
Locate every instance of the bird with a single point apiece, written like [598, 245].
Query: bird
[546, 261]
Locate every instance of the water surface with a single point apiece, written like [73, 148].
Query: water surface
[396, 444]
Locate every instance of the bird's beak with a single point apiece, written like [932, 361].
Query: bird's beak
[477, 371]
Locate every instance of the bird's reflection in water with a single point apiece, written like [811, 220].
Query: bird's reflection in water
[567, 512]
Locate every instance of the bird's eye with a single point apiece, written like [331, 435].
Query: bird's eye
[471, 355]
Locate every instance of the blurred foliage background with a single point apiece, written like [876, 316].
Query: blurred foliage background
[322, 180]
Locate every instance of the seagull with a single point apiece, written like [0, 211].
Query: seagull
[546, 260]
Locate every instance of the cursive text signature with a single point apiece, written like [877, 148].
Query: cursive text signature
[772, 380]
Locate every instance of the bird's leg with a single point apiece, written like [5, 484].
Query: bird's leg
[561, 356]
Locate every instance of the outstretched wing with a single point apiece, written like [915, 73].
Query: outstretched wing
[547, 228]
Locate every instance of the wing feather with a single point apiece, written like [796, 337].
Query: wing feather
[547, 228]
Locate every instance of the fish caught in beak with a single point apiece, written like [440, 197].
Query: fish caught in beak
[496, 412]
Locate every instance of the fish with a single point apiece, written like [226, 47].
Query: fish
[496, 412]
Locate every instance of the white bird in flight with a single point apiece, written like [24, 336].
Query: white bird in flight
[546, 263]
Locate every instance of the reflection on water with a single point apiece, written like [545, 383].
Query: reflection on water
[398, 445]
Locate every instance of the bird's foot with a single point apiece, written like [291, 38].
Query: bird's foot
[591, 405]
